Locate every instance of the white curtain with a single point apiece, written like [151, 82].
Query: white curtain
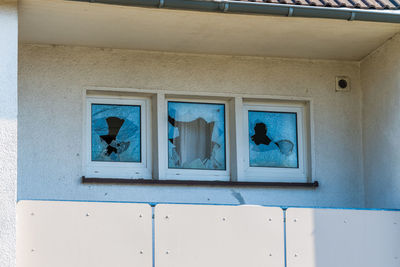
[194, 142]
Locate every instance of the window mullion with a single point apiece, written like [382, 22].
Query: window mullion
[160, 142]
[237, 136]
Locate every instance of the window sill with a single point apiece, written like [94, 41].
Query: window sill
[85, 180]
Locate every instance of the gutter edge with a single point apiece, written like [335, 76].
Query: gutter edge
[286, 10]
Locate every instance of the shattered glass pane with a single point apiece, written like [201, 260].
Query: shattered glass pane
[273, 139]
[196, 136]
[116, 133]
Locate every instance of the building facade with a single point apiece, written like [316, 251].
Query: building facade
[322, 81]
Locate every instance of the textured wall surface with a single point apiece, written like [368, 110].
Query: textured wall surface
[380, 77]
[8, 130]
[52, 80]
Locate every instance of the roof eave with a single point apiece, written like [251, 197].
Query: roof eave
[287, 10]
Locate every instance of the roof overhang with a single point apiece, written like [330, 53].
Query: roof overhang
[128, 27]
[263, 8]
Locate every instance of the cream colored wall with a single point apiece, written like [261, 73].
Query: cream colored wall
[8, 130]
[380, 76]
[51, 83]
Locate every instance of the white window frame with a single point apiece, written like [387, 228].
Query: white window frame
[155, 136]
[126, 170]
[190, 174]
[274, 174]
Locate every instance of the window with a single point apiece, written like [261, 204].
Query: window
[197, 140]
[117, 138]
[151, 134]
[116, 133]
[276, 142]
[196, 135]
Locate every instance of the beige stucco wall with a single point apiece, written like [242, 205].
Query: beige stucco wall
[8, 130]
[52, 79]
[381, 125]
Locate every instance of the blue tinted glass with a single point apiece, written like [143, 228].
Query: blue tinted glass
[196, 136]
[116, 133]
[273, 139]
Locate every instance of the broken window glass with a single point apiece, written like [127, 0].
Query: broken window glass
[196, 136]
[116, 133]
[273, 139]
